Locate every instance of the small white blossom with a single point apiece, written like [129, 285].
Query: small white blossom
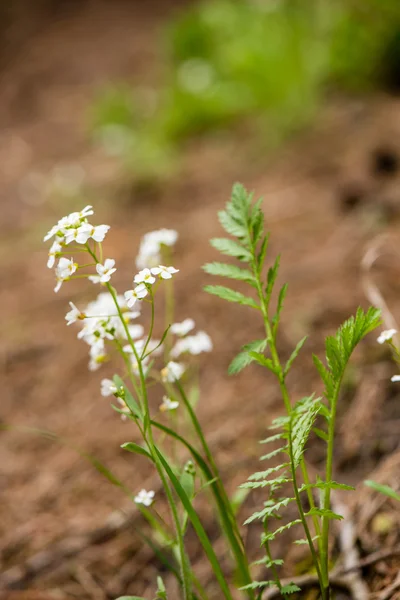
[108, 387]
[168, 404]
[151, 244]
[172, 371]
[164, 272]
[386, 336]
[145, 498]
[194, 344]
[54, 250]
[144, 276]
[74, 314]
[72, 220]
[97, 355]
[132, 296]
[104, 271]
[99, 233]
[395, 378]
[136, 331]
[65, 268]
[182, 328]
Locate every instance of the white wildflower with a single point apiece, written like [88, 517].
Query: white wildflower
[144, 276]
[395, 378]
[108, 387]
[74, 314]
[54, 250]
[151, 244]
[194, 344]
[136, 331]
[168, 404]
[164, 272]
[104, 272]
[132, 296]
[65, 268]
[182, 328]
[145, 498]
[172, 371]
[386, 336]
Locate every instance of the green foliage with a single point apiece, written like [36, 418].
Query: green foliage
[340, 347]
[245, 358]
[241, 60]
[383, 489]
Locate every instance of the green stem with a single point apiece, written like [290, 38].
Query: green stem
[286, 399]
[327, 492]
[228, 519]
[184, 561]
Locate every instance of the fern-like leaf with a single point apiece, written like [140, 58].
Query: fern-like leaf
[243, 359]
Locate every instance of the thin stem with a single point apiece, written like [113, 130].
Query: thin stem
[151, 325]
[184, 561]
[310, 497]
[286, 399]
[231, 529]
[327, 492]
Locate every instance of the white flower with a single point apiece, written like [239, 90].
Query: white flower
[132, 296]
[65, 268]
[164, 272]
[74, 314]
[97, 354]
[54, 250]
[395, 378]
[172, 371]
[136, 331]
[72, 220]
[182, 328]
[386, 336]
[108, 387]
[104, 271]
[99, 233]
[145, 498]
[150, 246]
[194, 344]
[144, 276]
[168, 404]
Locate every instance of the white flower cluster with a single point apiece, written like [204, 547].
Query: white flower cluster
[145, 278]
[151, 246]
[192, 344]
[101, 323]
[73, 228]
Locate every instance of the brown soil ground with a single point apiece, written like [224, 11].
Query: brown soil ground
[327, 196]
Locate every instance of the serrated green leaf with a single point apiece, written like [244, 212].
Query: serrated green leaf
[243, 359]
[302, 423]
[256, 585]
[230, 271]
[294, 355]
[253, 485]
[274, 453]
[323, 512]
[269, 511]
[281, 299]
[264, 474]
[230, 295]
[271, 535]
[304, 541]
[383, 489]
[231, 248]
[136, 449]
[263, 360]
[320, 433]
[271, 277]
[272, 438]
[262, 253]
[291, 588]
[232, 225]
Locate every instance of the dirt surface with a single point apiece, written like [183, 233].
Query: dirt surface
[328, 195]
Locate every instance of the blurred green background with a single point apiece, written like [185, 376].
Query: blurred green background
[265, 64]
